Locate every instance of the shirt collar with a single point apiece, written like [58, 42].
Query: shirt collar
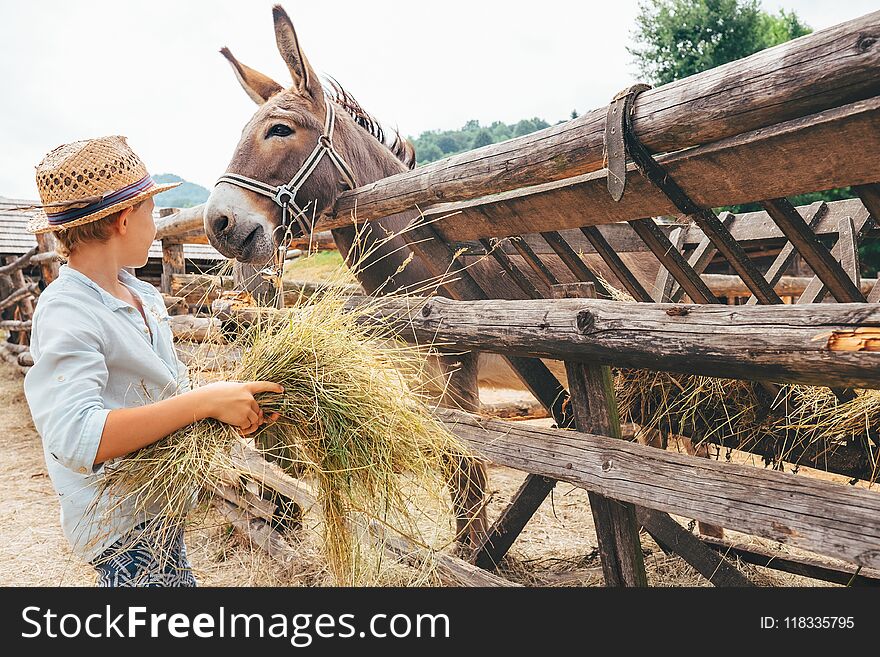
[66, 271]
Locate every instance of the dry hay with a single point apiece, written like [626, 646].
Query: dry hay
[355, 421]
[782, 423]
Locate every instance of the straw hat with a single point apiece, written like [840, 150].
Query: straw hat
[87, 180]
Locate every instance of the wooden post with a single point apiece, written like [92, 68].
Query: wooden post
[49, 268]
[172, 263]
[25, 304]
[595, 411]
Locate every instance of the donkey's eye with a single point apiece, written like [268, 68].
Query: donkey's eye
[279, 130]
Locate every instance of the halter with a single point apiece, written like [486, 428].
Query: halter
[285, 195]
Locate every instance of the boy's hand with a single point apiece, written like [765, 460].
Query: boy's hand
[233, 402]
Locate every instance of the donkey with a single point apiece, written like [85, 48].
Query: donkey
[275, 144]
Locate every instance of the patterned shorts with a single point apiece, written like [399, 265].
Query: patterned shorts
[146, 557]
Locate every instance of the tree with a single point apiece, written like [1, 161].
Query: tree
[677, 38]
[482, 138]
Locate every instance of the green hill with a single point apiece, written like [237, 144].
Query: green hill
[185, 196]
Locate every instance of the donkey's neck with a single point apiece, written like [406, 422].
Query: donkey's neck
[371, 160]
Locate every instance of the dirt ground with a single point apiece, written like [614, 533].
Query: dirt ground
[558, 547]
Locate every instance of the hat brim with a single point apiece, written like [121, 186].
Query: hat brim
[39, 222]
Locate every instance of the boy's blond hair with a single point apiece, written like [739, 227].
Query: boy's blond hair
[94, 231]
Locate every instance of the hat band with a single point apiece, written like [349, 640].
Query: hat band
[120, 195]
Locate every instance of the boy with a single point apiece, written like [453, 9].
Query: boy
[106, 380]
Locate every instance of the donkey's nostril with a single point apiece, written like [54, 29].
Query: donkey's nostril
[220, 224]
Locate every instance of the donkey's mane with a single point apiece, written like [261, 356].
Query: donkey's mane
[400, 147]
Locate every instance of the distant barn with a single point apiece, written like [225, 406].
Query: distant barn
[15, 241]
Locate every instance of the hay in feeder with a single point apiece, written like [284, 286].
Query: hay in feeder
[782, 422]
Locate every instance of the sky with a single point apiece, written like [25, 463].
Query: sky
[75, 69]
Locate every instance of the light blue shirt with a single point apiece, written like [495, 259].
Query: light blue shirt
[92, 354]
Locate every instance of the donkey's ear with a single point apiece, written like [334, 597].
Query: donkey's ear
[305, 81]
[258, 86]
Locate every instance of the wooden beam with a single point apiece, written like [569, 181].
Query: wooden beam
[614, 262]
[849, 251]
[459, 284]
[172, 263]
[672, 260]
[816, 289]
[796, 344]
[848, 575]
[812, 250]
[49, 267]
[513, 271]
[574, 262]
[532, 259]
[831, 519]
[663, 283]
[751, 163]
[801, 77]
[18, 263]
[812, 214]
[674, 538]
[728, 285]
[452, 571]
[702, 254]
[595, 412]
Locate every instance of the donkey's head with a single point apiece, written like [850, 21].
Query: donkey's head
[274, 144]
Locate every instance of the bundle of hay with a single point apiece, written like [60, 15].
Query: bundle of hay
[355, 419]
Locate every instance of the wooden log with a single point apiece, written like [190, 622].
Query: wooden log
[793, 344]
[728, 285]
[49, 267]
[196, 329]
[41, 258]
[25, 359]
[823, 70]
[16, 324]
[175, 305]
[26, 292]
[257, 531]
[8, 354]
[750, 163]
[591, 391]
[203, 289]
[172, 263]
[831, 519]
[18, 263]
[187, 219]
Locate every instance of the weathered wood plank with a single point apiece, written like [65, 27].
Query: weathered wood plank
[825, 69]
[675, 538]
[831, 519]
[663, 283]
[702, 255]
